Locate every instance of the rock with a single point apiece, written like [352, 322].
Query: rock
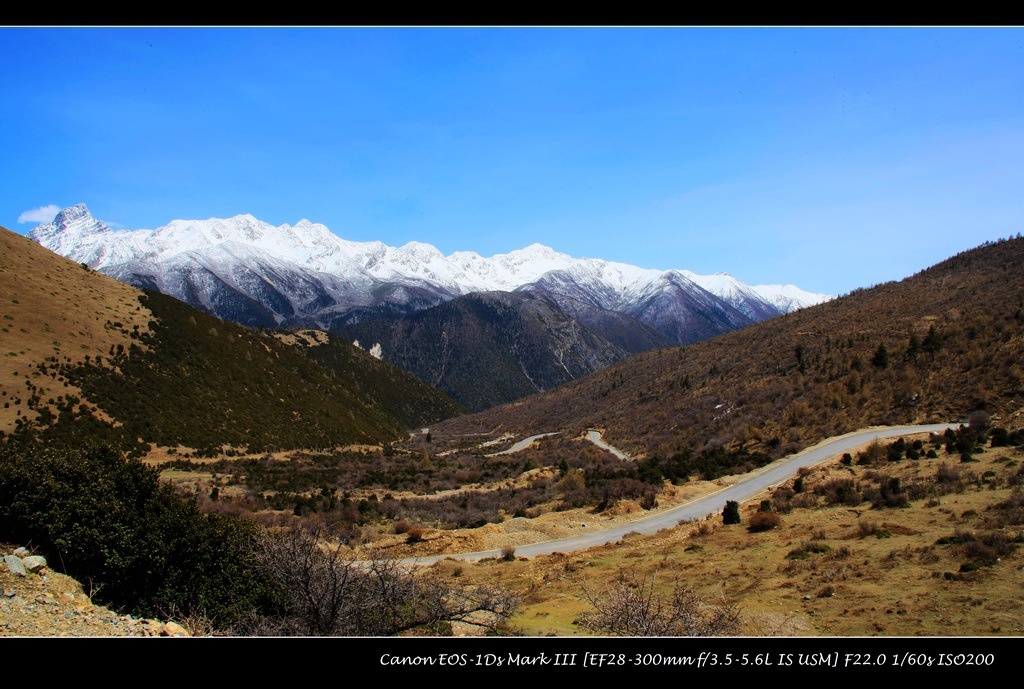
[15, 564]
[35, 563]
[21, 552]
[173, 629]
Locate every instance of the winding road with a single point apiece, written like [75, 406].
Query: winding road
[745, 489]
[595, 437]
[522, 444]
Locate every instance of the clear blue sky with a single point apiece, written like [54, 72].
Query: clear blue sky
[828, 158]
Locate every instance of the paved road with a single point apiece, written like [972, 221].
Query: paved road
[711, 504]
[522, 444]
[595, 437]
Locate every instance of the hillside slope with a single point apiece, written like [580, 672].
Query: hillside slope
[152, 369]
[489, 348]
[933, 347]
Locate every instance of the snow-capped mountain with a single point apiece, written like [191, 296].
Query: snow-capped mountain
[249, 271]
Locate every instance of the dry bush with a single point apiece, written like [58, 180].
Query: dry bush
[508, 553]
[805, 500]
[330, 594]
[947, 473]
[402, 526]
[703, 528]
[631, 606]
[840, 491]
[840, 553]
[805, 550]
[782, 498]
[763, 521]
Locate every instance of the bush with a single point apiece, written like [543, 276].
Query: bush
[107, 520]
[807, 549]
[402, 526]
[881, 358]
[731, 513]
[764, 521]
[508, 553]
[632, 606]
[840, 491]
[331, 595]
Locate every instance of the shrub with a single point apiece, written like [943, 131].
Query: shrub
[108, 520]
[881, 358]
[508, 553]
[402, 526]
[764, 521]
[631, 606]
[840, 491]
[807, 549]
[947, 474]
[731, 513]
[329, 594]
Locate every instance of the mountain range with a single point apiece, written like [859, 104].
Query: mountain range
[483, 330]
[251, 272]
[937, 346]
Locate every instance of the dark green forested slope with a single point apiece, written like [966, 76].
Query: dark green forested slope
[201, 382]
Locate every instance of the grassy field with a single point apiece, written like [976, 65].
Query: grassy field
[946, 564]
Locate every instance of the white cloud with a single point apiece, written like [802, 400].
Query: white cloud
[43, 214]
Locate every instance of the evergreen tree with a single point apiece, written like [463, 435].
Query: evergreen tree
[731, 513]
[881, 357]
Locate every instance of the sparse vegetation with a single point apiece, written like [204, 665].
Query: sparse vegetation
[633, 606]
[329, 593]
[740, 413]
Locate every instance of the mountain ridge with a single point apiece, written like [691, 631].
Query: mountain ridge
[90, 358]
[935, 346]
[304, 274]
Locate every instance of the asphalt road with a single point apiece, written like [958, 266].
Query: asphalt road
[522, 444]
[747, 488]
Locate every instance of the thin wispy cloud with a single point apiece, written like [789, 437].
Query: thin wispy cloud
[41, 214]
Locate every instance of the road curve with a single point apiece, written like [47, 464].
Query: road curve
[774, 473]
[595, 437]
[522, 444]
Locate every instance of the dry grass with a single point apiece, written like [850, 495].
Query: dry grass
[51, 307]
[817, 574]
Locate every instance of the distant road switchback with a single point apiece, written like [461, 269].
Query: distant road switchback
[745, 489]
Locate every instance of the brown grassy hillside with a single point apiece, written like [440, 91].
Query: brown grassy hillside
[933, 347]
[86, 358]
[53, 308]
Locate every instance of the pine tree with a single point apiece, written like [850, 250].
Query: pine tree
[881, 357]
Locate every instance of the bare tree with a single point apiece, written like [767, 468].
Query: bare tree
[631, 606]
[328, 593]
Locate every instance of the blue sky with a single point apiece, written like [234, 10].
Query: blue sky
[828, 158]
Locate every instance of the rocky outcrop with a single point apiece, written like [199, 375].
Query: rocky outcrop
[36, 601]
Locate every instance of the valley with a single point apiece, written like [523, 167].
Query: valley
[621, 472]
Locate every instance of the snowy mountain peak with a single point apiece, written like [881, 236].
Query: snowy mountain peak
[304, 271]
[73, 229]
[76, 220]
